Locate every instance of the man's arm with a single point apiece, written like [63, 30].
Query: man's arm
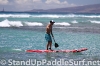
[51, 33]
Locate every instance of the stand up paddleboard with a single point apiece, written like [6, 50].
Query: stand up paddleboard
[74, 51]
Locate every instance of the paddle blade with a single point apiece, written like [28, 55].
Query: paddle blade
[56, 45]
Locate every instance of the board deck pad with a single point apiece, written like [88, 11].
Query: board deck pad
[78, 50]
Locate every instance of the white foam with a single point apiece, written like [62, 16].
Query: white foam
[74, 21]
[7, 23]
[14, 15]
[63, 24]
[47, 15]
[97, 22]
[17, 49]
[65, 16]
[4, 23]
[33, 24]
[60, 27]
[92, 16]
[15, 23]
[87, 16]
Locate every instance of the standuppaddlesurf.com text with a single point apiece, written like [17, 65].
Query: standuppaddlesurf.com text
[56, 62]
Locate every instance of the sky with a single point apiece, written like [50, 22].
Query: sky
[26, 5]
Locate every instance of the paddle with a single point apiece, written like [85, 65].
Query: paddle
[56, 45]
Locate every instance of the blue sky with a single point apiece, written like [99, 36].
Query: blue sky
[24, 5]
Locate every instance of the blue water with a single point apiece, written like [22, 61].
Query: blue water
[22, 31]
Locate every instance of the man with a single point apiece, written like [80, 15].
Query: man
[49, 34]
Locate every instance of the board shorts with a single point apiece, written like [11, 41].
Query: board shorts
[48, 37]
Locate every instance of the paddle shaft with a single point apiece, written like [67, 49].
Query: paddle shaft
[54, 40]
[56, 45]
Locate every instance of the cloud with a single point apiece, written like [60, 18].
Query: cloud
[36, 0]
[56, 2]
[22, 2]
[52, 1]
[25, 2]
[4, 2]
[24, 5]
[65, 2]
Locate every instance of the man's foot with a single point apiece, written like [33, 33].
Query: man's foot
[50, 49]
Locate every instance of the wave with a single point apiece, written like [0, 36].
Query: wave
[14, 15]
[86, 16]
[28, 15]
[9, 49]
[47, 15]
[91, 21]
[33, 24]
[17, 49]
[7, 23]
[33, 15]
[74, 22]
[63, 24]
[97, 22]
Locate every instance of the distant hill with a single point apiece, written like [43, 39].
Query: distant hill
[78, 9]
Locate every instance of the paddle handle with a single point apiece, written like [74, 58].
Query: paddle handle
[54, 40]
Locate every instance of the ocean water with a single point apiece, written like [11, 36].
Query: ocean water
[22, 31]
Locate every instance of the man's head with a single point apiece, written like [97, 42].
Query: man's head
[52, 22]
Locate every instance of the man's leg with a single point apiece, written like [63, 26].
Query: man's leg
[49, 45]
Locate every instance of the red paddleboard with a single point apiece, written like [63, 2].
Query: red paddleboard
[78, 50]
